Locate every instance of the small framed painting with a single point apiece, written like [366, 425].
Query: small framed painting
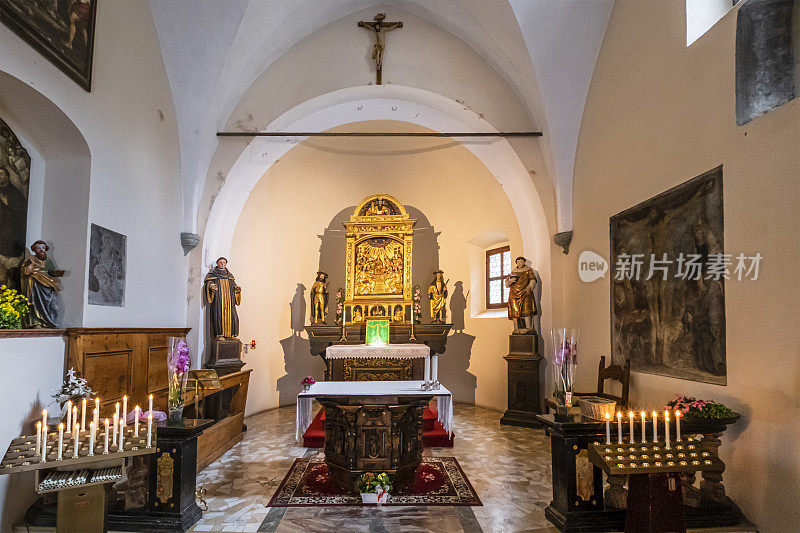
[60, 30]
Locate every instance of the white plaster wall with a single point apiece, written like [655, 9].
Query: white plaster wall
[26, 391]
[658, 114]
[135, 184]
[276, 246]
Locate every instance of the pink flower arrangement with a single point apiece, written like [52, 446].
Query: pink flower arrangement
[695, 408]
[308, 381]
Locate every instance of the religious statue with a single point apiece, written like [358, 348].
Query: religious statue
[437, 294]
[378, 207]
[380, 28]
[223, 295]
[40, 284]
[521, 307]
[319, 298]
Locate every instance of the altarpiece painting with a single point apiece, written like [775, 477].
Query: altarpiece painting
[15, 170]
[668, 319]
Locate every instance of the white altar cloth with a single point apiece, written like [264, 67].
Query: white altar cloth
[321, 389]
[385, 351]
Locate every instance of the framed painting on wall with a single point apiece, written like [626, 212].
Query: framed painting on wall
[667, 297]
[107, 266]
[60, 30]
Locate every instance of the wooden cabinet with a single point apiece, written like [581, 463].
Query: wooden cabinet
[119, 361]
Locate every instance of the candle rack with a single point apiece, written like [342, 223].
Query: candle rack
[57, 480]
[21, 455]
[628, 458]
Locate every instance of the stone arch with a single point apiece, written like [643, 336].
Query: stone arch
[60, 171]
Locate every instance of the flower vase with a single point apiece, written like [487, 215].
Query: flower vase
[565, 362]
[374, 498]
[177, 370]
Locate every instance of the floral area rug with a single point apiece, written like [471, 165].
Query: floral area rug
[437, 481]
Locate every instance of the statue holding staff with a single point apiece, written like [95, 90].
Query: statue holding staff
[319, 298]
[437, 294]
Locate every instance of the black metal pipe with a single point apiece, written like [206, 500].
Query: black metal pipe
[378, 134]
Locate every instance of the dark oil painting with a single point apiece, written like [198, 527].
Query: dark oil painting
[671, 324]
[61, 30]
[107, 267]
[15, 171]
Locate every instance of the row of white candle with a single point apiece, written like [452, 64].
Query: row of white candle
[74, 428]
[431, 371]
[72, 412]
[631, 420]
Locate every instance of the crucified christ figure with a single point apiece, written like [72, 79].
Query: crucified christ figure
[380, 28]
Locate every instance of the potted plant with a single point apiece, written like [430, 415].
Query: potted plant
[307, 382]
[177, 366]
[13, 308]
[565, 361]
[693, 408]
[374, 488]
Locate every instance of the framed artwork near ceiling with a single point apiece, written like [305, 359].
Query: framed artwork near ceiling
[60, 30]
[673, 323]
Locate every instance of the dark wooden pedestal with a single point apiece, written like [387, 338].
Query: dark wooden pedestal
[172, 488]
[373, 434]
[524, 397]
[224, 355]
[655, 504]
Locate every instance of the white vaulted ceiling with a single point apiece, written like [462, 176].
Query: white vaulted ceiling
[213, 51]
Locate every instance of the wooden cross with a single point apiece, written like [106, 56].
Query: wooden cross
[380, 28]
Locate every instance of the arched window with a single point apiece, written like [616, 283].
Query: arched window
[767, 53]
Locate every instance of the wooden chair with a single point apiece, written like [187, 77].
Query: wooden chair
[622, 374]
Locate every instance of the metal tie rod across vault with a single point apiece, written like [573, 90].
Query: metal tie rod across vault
[379, 134]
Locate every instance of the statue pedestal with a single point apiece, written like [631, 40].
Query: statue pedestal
[524, 397]
[224, 355]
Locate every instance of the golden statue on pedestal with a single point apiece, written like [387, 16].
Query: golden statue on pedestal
[521, 306]
[437, 294]
[319, 298]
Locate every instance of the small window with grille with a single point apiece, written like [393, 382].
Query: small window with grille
[498, 267]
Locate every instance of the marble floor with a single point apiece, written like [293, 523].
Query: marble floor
[509, 468]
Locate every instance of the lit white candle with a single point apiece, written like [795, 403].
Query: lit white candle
[105, 446]
[608, 428]
[116, 423]
[44, 443]
[619, 427]
[666, 427]
[96, 418]
[150, 403]
[60, 441]
[69, 416]
[121, 441]
[74, 417]
[38, 437]
[149, 429]
[644, 429]
[136, 420]
[655, 426]
[44, 417]
[124, 419]
[631, 418]
[77, 433]
[83, 413]
[91, 438]
[677, 425]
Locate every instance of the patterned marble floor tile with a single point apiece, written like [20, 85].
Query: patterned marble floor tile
[509, 468]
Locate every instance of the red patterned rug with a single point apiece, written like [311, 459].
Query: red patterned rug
[437, 481]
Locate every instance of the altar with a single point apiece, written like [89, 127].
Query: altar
[372, 426]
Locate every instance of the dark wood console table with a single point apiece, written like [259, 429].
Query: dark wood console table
[604, 510]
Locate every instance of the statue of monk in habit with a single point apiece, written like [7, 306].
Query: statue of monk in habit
[437, 294]
[223, 295]
[521, 306]
[319, 298]
[40, 284]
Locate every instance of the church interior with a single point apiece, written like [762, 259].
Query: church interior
[399, 265]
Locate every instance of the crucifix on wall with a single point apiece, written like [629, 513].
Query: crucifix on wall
[380, 28]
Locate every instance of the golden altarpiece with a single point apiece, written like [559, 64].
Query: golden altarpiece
[378, 261]
[378, 284]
